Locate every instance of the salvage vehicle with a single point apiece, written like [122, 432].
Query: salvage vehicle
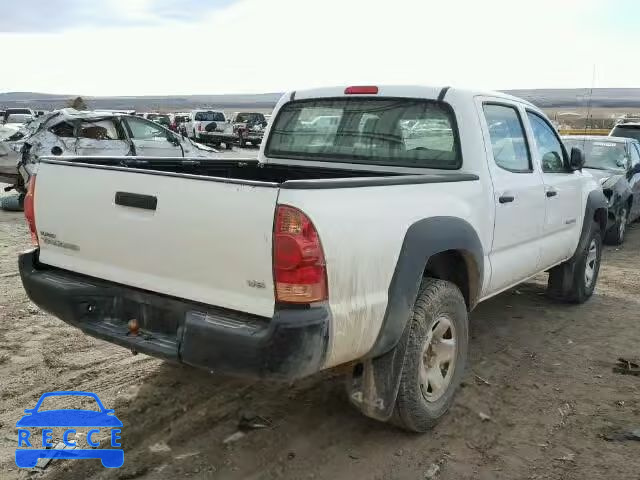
[242, 128]
[628, 127]
[615, 163]
[16, 121]
[353, 247]
[159, 118]
[177, 121]
[248, 127]
[162, 119]
[17, 111]
[69, 132]
[200, 121]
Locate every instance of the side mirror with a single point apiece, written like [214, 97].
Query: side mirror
[173, 140]
[635, 169]
[576, 160]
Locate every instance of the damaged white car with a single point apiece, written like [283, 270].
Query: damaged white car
[70, 132]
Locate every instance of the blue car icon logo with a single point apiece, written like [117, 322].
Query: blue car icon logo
[104, 419]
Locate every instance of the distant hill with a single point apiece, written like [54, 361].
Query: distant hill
[579, 97]
[43, 101]
[544, 98]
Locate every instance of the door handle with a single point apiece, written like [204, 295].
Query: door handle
[135, 200]
[551, 193]
[506, 199]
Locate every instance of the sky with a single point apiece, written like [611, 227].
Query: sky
[183, 47]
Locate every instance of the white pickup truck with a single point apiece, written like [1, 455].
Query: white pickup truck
[362, 243]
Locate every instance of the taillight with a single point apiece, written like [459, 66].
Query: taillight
[361, 90]
[199, 127]
[299, 268]
[30, 211]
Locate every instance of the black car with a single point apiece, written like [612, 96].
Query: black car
[615, 162]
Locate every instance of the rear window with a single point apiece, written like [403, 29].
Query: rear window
[19, 118]
[384, 131]
[250, 118]
[209, 117]
[626, 131]
[21, 111]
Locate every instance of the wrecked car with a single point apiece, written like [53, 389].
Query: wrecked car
[70, 132]
[615, 163]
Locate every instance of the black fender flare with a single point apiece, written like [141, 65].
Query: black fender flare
[596, 202]
[425, 238]
[373, 386]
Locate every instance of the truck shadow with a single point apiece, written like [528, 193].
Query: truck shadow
[177, 419]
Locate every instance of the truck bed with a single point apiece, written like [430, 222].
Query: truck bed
[195, 229]
[249, 170]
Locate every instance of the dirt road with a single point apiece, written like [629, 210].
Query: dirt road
[547, 386]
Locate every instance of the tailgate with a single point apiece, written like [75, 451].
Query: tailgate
[206, 240]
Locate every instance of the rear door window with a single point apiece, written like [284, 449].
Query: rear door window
[508, 140]
[385, 131]
[100, 130]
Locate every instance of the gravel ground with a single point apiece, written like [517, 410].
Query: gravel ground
[541, 371]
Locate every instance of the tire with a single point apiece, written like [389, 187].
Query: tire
[439, 312]
[12, 203]
[582, 283]
[615, 235]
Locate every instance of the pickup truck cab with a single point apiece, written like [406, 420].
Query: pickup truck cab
[354, 244]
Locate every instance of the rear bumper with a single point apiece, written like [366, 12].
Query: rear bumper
[290, 345]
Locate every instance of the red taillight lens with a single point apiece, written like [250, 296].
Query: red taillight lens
[299, 269]
[29, 210]
[199, 127]
[361, 90]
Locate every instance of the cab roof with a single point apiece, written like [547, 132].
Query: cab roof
[411, 91]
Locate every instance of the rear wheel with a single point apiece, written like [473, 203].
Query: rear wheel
[435, 357]
[615, 235]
